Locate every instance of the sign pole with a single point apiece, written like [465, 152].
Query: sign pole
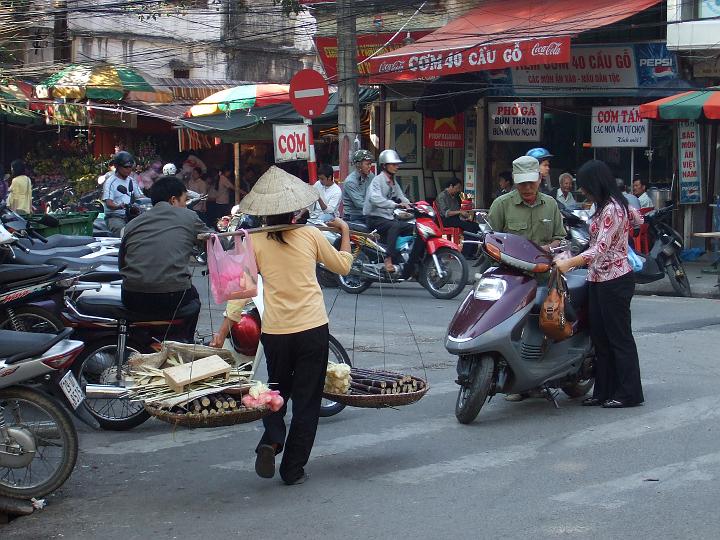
[312, 164]
[632, 165]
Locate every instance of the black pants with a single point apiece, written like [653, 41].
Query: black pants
[164, 306]
[389, 230]
[616, 367]
[297, 364]
[468, 226]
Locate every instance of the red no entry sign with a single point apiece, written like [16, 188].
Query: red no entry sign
[309, 93]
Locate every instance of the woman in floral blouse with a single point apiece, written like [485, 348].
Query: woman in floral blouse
[611, 288]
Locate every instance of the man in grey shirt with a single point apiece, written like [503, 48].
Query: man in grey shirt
[383, 196]
[155, 252]
[355, 186]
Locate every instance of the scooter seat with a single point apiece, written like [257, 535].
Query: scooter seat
[357, 226]
[45, 257]
[16, 273]
[111, 307]
[16, 346]
[55, 241]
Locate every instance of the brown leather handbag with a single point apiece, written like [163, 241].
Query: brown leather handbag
[553, 321]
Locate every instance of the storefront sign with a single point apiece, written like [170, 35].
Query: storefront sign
[514, 121]
[444, 132]
[438, 63]
[621, 70]
[614, 127]
[291, 142]
[367, 44]
[689, 163]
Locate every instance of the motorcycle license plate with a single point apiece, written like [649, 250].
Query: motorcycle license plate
[72, 390]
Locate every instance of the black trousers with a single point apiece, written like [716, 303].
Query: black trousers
[164, 306]
[297, 364]
[389, 230]
[468, 250]
[616, 367]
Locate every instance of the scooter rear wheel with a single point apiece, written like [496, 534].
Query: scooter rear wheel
[474, 392]
[678, 276]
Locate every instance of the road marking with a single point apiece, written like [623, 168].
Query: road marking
[472, 463]
[660, 421]
[351, 443]
[666, 419]
[171, 439]
[669, 477]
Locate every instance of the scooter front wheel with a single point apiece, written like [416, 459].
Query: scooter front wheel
[454, 277]
[678, 277]
[474, 392]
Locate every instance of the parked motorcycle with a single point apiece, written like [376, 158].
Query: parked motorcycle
[497, 337]
[663, 258]
[430, 259]
[38, 440]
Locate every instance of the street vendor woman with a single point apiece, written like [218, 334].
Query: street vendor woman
[295, 332]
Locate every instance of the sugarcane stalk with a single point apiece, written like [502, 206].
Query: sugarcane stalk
[366, 388]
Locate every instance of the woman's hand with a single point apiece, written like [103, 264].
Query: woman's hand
[564, 265]
[338, 224]
[344, 231]
[217, 341]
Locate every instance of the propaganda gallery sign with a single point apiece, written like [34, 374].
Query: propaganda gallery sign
[514, 121]
[689, 163]
[444, 132]
[615, 127]
[435, 62]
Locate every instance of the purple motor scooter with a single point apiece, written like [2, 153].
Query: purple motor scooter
[496, 334]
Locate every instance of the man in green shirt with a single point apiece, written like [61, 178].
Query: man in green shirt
[525, 210]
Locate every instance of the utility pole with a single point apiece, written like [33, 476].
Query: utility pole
[348, 102]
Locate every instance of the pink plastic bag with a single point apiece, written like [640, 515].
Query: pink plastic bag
[233, 274]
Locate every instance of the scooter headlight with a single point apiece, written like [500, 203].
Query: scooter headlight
[488, 288]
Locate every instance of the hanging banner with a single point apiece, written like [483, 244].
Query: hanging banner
[290, 142]
[444, 132]
[438, 63]
[689, 163]
[614, 127]
[470, 168]
[367, 45]
[514, 121]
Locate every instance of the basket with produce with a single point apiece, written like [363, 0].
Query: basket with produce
[196, 386]
[371, 388]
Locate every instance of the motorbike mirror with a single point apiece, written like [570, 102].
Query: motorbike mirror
[122, 189]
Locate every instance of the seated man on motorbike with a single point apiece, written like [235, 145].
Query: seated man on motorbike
[448, 202]
[155, 253]
[525, 210]
[355, 186]
[383, 196]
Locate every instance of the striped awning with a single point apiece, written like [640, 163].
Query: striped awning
[685, 106]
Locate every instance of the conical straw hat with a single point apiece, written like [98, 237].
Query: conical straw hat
[278, 192]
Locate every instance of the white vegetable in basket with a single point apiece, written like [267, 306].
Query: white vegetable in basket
[337, 378]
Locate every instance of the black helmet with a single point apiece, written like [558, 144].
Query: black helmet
[124, 159]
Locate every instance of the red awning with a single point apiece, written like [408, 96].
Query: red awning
[500, 34]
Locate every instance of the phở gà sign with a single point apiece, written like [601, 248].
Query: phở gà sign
[514, 121]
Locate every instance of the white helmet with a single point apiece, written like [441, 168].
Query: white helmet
[169, 169]
[389, 156]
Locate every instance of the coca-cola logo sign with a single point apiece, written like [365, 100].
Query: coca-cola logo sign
[550, 49]
[389, 67]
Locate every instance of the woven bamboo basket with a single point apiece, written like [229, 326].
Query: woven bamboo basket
[239, 416]
[377, 401]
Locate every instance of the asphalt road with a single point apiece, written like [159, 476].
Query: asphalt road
[522, 470]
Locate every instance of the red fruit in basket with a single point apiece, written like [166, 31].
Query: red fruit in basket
[250, 402]
[246, 334]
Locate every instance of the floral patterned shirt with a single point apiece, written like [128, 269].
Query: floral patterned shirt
[607, 256]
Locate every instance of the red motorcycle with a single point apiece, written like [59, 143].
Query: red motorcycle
[428, 258]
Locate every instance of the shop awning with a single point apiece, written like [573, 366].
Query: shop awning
[685, 106]
[502, 33]
[239, 124]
